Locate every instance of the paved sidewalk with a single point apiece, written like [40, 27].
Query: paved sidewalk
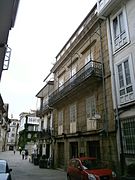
[24, 170]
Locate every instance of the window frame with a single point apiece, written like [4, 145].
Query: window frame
[128, 134]
[60, 118]
[89, 105]
[119, 97]
[89, 60]
[73, 109]
[120, 39]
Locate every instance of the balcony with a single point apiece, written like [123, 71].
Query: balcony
[45, 134]
[104, 7]
[92, 70]
[44, 108]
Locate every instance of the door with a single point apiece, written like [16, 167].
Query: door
[73, 149]
[93, 148]
[61, 155]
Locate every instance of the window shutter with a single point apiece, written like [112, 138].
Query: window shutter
[73, 113]
[90, 107]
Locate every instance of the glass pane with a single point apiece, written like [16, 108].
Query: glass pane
[129, 89]
[93, 108]
[72, 113]
[121, 22]
[122, 92]
[120, 74]
[115, 27]
[60, 116]
[127, 72]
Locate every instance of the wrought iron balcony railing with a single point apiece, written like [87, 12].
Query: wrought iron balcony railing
[91, 69]
[45, 133]
[43, 109]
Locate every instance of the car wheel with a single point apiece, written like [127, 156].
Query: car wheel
[68, 177]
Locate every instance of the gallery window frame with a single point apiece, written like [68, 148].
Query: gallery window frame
[119, 30]
[124, 78]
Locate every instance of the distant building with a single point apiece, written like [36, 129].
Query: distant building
[4, 125]
[46, 117]
[12, 138]
[28, 131]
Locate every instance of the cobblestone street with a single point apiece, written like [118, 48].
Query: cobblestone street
[24, 170]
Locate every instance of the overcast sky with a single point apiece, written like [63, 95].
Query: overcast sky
[41, 29]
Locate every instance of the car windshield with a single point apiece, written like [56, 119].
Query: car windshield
[2, 167]
[90, 164]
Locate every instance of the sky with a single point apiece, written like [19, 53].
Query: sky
[41, 29]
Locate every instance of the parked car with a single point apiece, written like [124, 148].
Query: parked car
[5, 170]
[87, 168]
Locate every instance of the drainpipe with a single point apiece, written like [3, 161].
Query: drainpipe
[103, 83]
[114, 93]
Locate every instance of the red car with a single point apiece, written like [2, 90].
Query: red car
[87, 168]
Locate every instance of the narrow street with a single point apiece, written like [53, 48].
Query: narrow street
[24, 170]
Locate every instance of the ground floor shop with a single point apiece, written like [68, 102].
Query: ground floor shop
[103, 147]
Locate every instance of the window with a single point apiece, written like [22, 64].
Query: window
[89, 60]
[30, 128]
[73, 113]
[101, 4]
[12, 135]
[45, 101]
[42, 124]
[12, 140]
[125, 80]
[60, 118]
[128, 130]
[90, 107]
[29, 136]
[60, 122]
[61, 82]
[119, 30]
[73, 118]
[36, 128]
[73, 70]
[14, 123]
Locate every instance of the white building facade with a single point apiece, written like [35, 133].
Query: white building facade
[28, 131]
[119, 15]
[45, 141]
[12, 138]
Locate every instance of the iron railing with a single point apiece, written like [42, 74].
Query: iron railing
[42, 109]
[128, 135]
[45, 133]
[91, 69]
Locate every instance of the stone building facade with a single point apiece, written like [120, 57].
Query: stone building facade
[83, 116]
[4, 125]
[45, 141]
[8, 12]
[12, 137]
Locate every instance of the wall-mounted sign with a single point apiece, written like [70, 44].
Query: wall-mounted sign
[33, 120]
